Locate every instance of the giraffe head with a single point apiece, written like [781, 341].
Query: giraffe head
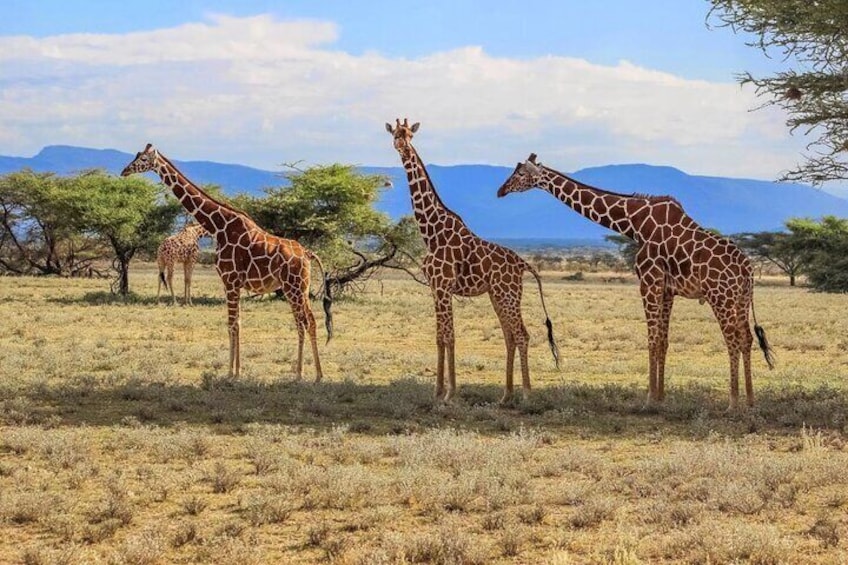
[196, 230]
[402, 134]
[525, 176]
[142, 163]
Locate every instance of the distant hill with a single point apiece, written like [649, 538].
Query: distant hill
[729, 205]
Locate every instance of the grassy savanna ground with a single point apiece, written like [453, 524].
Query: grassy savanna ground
[122, 440]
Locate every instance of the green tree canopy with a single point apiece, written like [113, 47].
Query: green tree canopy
[39, 232]
[331, 210]
[812, 38]
[825, 245]
[781, 249]
[128, 213]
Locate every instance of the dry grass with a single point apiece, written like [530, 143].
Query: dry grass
[122, 440]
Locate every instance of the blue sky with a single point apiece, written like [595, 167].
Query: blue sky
[261, 83]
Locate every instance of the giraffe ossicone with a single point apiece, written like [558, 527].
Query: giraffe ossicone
[460, 263]
[246, 257]
[676, 257]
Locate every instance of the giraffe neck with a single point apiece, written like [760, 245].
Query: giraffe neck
[209, 213]
[426, 204]
[605, 208]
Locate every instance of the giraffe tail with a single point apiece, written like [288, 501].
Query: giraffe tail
[548, 324]
[327, 300]
[162, 279]
[761, 339]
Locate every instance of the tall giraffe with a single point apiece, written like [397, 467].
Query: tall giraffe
[182, 248]
[246, 257]
[460, 263]
[676, 257]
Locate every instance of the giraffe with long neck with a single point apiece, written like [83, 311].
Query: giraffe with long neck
[460, 263]
[182, 247]
[676, 257]
[246, 257]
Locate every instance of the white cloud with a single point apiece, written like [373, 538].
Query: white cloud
[262, 91]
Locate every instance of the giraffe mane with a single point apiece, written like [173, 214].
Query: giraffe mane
[640, 195]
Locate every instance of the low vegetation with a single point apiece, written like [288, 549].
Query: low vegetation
[123, 441]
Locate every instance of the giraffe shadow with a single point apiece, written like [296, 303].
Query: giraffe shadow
[106, 298]
[406, 405]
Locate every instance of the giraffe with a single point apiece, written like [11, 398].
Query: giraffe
[246, 257]
[181, 247]
[460, 263]
[676, 256]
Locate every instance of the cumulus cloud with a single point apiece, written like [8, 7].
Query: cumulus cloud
[262, 91]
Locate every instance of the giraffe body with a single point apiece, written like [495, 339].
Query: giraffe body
[246, 257]
[676, 257]
[182, 248]
[458, 263]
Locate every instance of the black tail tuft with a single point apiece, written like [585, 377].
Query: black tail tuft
[162, 279]
[328, 303]
[551, 342]
[764, 345]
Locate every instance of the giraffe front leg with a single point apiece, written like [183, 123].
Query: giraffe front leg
[445, 341]
[234, 326]
[652, 297]
[662, 347]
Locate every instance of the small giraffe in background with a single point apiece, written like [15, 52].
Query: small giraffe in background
[460, 263]
[246, 257]
[676, 257]
[182, 247]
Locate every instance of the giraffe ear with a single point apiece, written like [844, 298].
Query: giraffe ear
[389, 127]
[414, 127]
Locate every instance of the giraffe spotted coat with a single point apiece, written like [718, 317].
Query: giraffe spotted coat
[182, 247]
[460, 263]
[246, 257]
[676, 257]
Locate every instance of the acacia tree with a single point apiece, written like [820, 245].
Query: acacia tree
[825, 245]
[38, 228]
[781, 249]
[128, 213]
[331, 209]
[812, 37]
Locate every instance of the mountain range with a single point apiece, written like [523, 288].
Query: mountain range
[727, 204]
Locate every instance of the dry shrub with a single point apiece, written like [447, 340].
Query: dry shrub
[446, 546]
[26, 507]
[826, 530]
[592, 513]
[146, 548]
[260, 510]
[184, 533]
[193, 505]
[43, 556]
[223, 478]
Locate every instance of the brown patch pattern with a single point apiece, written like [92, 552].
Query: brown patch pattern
[462, 264]
[676, 257]
[247, 257]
